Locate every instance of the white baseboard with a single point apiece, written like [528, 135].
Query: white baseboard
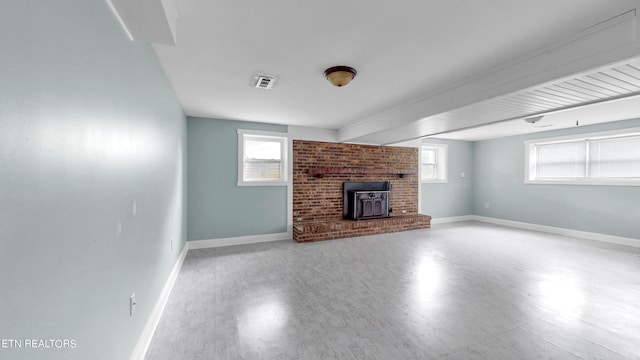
[444, 220]
[543, 228]
[147, 333]
[561, 231]
[240, 240]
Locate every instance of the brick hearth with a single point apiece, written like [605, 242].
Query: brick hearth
[319, 170]
[337, 229]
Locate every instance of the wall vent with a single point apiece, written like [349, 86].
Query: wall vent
[263, 81]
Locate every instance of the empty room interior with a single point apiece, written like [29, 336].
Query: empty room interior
[184, 179]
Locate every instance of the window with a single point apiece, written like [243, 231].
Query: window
[262, 158]
[433, 163]
[606, 158]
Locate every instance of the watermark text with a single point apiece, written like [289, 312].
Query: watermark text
[38, 344]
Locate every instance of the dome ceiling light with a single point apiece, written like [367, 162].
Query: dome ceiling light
[534, 119]
[340, 75]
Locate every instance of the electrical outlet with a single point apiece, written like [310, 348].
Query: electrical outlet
[486, 205]
[404, 211]
[132, 304]
[134, 208]
[462, 175]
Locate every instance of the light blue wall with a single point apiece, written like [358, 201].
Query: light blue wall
[499, 181]
[89, 125]
[453, 198]
[217, 206]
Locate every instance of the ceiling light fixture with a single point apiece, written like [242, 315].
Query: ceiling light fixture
[340, 75]
[534, 119]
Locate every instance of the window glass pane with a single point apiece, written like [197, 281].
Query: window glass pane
[561, 160]
[433, 167]
[605, 158]
[428, 171]
[263, 159]
[615, 158]
[262, 149]
[428, 156]
[262, 169]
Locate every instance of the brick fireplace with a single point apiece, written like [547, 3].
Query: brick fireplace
[321, 168]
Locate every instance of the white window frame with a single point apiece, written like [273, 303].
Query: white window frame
[283, 138]
[530, 159]
[441, 163]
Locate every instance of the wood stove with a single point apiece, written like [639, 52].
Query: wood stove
[366, 200]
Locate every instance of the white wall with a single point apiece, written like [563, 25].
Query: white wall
[92, 160]
[499, 183]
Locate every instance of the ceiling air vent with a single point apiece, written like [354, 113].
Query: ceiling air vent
[263, 81]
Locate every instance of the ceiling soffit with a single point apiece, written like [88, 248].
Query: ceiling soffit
[552, 79]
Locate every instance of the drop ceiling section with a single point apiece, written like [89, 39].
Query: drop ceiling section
[604, 84]
[607, 83]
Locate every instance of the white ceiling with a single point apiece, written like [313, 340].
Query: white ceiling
[406, 53]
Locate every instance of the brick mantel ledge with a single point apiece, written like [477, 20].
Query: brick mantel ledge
[320, 172]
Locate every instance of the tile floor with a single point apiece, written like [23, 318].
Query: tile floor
[461, 291]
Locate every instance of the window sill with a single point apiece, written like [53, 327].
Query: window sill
[263, 183]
